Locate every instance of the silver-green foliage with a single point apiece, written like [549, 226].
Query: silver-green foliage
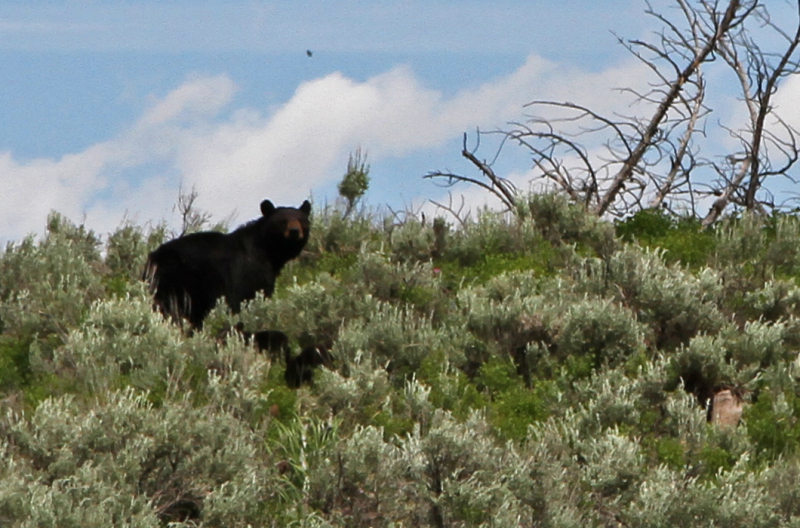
[125, 462]
[562, 222]
[46, 286]
[674, 302]
[600, 366]
[755, 248]
[400, 340]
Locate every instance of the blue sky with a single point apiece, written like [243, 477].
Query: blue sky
[106, 108]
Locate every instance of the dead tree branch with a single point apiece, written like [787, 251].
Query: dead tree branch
[759, 81]
[667, 154]
[503, 189]
[729, 20]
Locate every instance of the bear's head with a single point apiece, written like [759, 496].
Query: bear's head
[284, 230]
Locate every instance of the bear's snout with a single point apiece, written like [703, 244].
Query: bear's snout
[294, 231]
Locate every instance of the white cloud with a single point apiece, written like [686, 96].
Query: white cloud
[302, 145]
[71, 185]
[785, 104]
[31, 190]
[236, 157]
[197, 98]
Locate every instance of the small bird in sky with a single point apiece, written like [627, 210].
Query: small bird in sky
[309, 53]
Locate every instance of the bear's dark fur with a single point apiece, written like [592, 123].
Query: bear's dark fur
[272, 342]
[300, 369]
[188, 274]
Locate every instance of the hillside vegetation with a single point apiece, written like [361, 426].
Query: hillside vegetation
[539, 369]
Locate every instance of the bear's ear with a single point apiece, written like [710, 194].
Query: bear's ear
[306, 208]
[267, 208]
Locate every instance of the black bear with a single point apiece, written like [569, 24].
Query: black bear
[272, 342]
[188, 274]
[300, 368]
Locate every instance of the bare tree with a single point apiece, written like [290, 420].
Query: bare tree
[618, 164]
[759, 73]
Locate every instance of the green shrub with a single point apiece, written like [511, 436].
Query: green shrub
[127, 249]
[676, 304]
[399, 340]
[15, 367]
[333, 232]
[772, 425]
[313, 312]
[600, 331]
[682, 238]
[776, 300]
[562, 222]
[670, 452]
[701, 368]
[516, 408]
[754, 250]
[525, 369]
[412, 241]
[127, 463]
[365, 397]
[46, 287]
[491, 244]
